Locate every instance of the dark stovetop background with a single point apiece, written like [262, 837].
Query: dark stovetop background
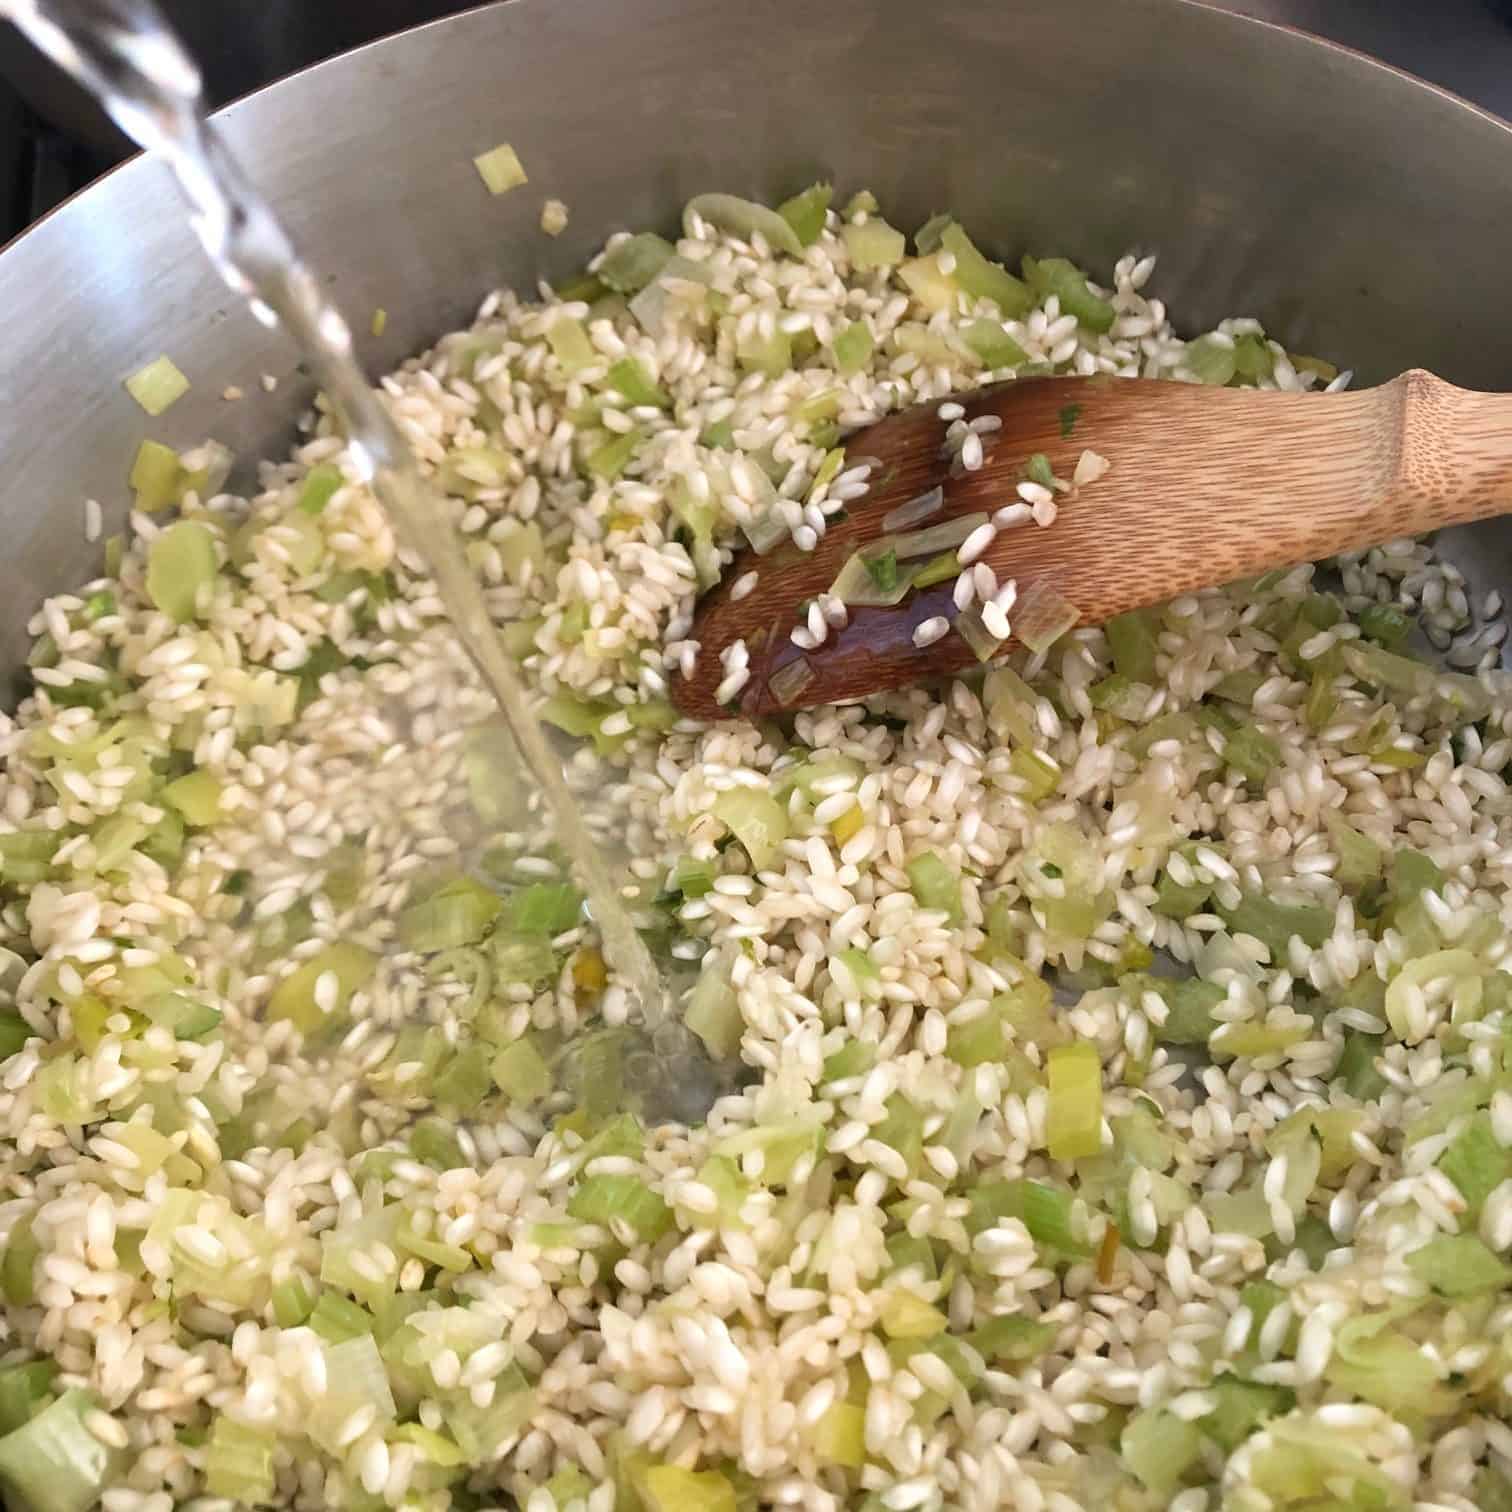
[52, 142]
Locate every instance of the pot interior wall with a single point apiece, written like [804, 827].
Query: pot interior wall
[1360, 215]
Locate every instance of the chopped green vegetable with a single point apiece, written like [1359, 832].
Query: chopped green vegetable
[1068, 414]
[181, 563]
[157, 385]
[1054, 275]
[520, 1072]
[993, 347]
[756, 819]
[320, 486]
[456, 913]
[625, 1199]
[713, 1012]
[873, 245]
[1160, 1448]
[1211, 359]
[1133, 640]
[805, 212]
[935, 885]
[744, 219]
[1458, 1265]
[629, 377]
[294, 998]
[630, 265]
[157, 477]
[981, 278]
[853, 347]
[53, 1463]
[500, 169]
[1073, 1121]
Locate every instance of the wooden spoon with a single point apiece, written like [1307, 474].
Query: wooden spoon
[1205, 486]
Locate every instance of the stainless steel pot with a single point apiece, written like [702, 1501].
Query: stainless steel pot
[1360, 214]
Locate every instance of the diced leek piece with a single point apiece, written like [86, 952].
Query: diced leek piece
[1160, 1448]
[630, 378]
[991, 344]
[53, 1463]
[157, 477]
[157, 385]
[805, 212]
[294, 997]
[873, 245]
[546, 908]
[713, 1011]
[853, 348]
[1054, 275]
[180, 563]
[197, 796]
[757, 820]
[320, 486]
[629, 266]
[905, 1316]
[500, 169]
[609, 459]
[520, 1072]
[670, 1488]
[743, 218]
[1011, 1340]
[982, 278]
[1458, 1265]
[568, 340]
[457, 913]
[1073, 1121]
[626, 1199]
[936, 885]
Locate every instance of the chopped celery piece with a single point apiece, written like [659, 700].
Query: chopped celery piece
[608, 460]
[1361, 860]
[500, 169]
[1357, 1070]
[197, 796]
[981, 278]
[53, 1463]
[772, 355]
[520, 1072]
[569, 343]
[526, 958]
[1273, 924]
[239, 1461]
[805, 212]
[744, 218]
[1054, 275]
[1475, 1162]
[320, 486]
[839, 1437]
[547, 908]
[457, 913]
[1211, 359]
[1189, 1008]
[157, 477]
[940, 569]
[628, 267]
[180, 563]
[157, 385]
[1132, 638]
[722, 1176]
[630, 378]
[905, 1316]
[15, 1031]
[853, 348]
[713, 1011]
[1253, 358]
[1119, 696]
[1073, 1121]
[24, 1390]
[992, 345]
[670, 1488]
[433, 1143]
[294, 997]
[692, 877]
[1043, 615]
[1458, 1265]
[1240, 1408]
[757, 820]
[873, 245]
[1043, 1209]
[568, 1485]
[604, 1199]
[480, 1431]
[1012, 1339]
[936, 885]
[1412, 873]
[1160, 1448]
[930, 285]
[185, 1016]
[1385, 624]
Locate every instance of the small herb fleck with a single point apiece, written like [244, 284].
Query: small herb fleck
[1051, 871]
[1039, 469]
[1069, 414]
[883, 569]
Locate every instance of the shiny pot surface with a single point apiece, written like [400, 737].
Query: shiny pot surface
[1361, 215]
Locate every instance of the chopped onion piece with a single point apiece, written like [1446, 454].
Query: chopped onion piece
[915, 510]
[157, 385]
[500, 169]
[1043, 614]
[1089, 468]
[936, 538]
[857, 584]
[787, 682]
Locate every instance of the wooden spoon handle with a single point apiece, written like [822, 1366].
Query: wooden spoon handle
[1455, 460]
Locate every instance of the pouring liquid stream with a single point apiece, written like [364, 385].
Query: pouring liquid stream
[127, 56]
